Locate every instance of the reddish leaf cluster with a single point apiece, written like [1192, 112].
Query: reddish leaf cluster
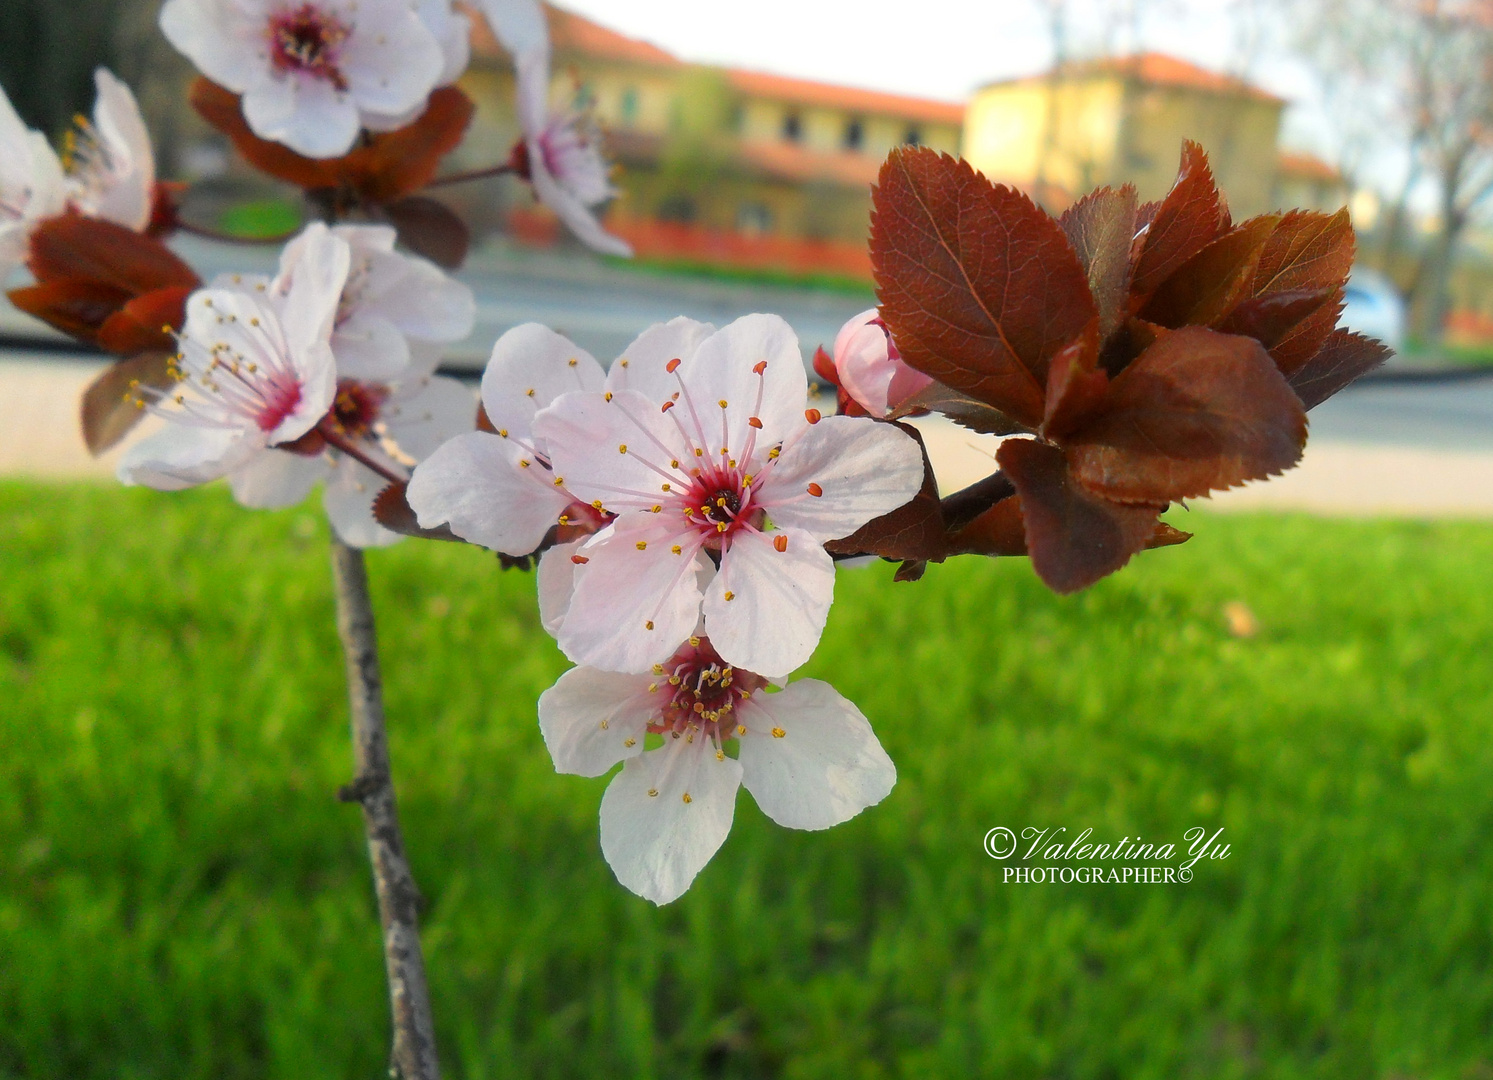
[115, 288]
[1156, 352]
[382, 174]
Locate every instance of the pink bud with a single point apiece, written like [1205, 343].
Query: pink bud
[869, 367]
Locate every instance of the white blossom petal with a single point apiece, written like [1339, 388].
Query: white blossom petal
[391, 60]
[475, 484]
[810, 758]
[310, 116]
[370, 348]
[348, 499]
[780, 601]
[656, 840]
[643, 365]
[635, 599]
[554, 582]
[721, 370]
[577, 216]
[593, 719]
[181, 456]
[619, 452]
[519, 25]
[210, 33]
[531, 366]
[433, 410]
[125, 192]
[862, 469]
[277, 478]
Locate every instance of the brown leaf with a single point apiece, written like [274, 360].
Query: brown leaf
[960, 408]
[109, 408]
[1307, 250]
[140, 325]
[77, 308]
[76, 248]
[1074, 536]
[1075, 385]
[1101, 227]
[1196, 412]
[1304, 340]
[222, 109]
[1190, 217]
[391, 509]
[914, 531]
[402, 162]
[1343, 358]
[1269, 318]
[431, 229]
[978, 287]
[383, 169]
[1208, 285]
[1001, 530]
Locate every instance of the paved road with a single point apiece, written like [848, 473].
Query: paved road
[599, 306]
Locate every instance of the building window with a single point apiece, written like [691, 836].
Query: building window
[793, 127]
[628, 106]
[855, 134]
[677, 208]
[753, 218]
[913, 137]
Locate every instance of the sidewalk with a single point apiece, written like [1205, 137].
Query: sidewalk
[39, 438]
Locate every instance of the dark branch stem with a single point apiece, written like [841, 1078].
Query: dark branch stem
[336, 439]
[962, 507]
[414, 1053]
[230, 238]
[505, 169]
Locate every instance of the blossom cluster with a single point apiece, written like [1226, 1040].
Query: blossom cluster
[680, 503]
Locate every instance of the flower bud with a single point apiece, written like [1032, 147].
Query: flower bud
[869, 368]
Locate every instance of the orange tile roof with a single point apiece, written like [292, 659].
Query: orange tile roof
[1305, 166]
[575, 34]
[852, 99]
[578, 36]
[1158, 69]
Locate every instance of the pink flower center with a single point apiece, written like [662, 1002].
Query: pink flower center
[357, 407]
[718, 504]
[278, 399]
[307, 40]
[698, 691]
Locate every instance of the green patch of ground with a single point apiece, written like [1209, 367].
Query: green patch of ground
[181, 894]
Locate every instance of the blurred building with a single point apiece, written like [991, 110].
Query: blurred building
[717, 165]
[726, 167]
[1123, 120]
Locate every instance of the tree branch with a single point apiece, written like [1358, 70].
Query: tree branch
[414, 1053]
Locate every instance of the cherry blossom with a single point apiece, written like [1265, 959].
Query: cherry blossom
[393, 423]
[498, 489]
[453, 32]
[312, 74]
[870, 369]
[32, 186]
[111, 170]
[807, 755]
[704, 446]
[561, 152]
[392, 304]
[254, 371]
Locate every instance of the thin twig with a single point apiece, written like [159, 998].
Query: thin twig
[476, 174]
[414, 1053]
[334, 437]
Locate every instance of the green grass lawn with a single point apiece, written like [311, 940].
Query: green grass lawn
[182, 896]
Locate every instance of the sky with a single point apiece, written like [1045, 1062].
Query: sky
[911, 47]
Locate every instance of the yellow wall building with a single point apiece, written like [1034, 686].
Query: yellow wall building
[1123, 120]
